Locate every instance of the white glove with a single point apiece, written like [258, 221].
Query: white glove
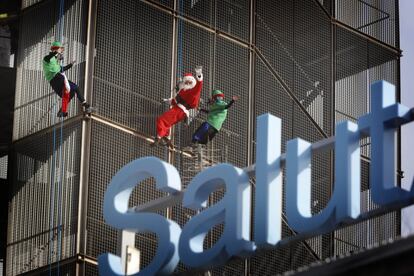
[199, 70]
[167, 101]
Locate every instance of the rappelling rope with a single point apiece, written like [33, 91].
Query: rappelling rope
[53, 171]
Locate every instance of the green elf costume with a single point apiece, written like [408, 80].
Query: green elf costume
[217, 114]
[54, 74]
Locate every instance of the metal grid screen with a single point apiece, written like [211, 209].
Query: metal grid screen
[44, 200]
[28, 3]
[297, 64]
[231, 17]
[36, 104]
[131, 94]
[361, 62]
[3, 167]
[293, 80]
[374, 17]
[111, 149]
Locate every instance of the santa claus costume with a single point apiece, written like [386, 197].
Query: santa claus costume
[188, 97]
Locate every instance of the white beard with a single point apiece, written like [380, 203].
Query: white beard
[184, 86]
[187, 86]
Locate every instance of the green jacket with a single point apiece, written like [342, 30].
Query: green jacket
[217, 113]
[51, 66]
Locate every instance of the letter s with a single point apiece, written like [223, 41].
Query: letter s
[117, 215]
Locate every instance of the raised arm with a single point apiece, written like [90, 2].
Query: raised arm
[235, 98]
[64, 68]
[199, 73]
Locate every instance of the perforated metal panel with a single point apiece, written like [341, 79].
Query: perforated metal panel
[361, 62]
[306, 70]
[67, 269]
[44, 198]
[36, 104]
[232, 17]
[274, 36]
[3, 167]
[28, 3]
[91, 269]
[133, 63]
[231, 76]
[312, 55]
[112, 149]
[374, 17]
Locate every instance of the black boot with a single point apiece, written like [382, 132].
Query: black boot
[86, 107]
[61, 114]
[156, 142]
[168, 142]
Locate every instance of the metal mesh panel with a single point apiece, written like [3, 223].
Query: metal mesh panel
[373, 17]
[274, 261]
[168, 3]
[294, 37]
[112, 149]
[131, 94]
[370, 232]
[274, 36]
[36, 104]
[228, 16]
[304, 69]
[327, 5]
[360, 63]
[28, 3]
[195, 47]
[233, 17]
[3, 167]
[270, 97]
[230, 67]
[198, 9]
[68, 269]
[231, 76]
[312, 54]
[31, 240]
[91, 270]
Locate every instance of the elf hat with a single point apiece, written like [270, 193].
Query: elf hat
[56, 45]
[217, 93]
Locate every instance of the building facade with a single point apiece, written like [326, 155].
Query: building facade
[308, 62]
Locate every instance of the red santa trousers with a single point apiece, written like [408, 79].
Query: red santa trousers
[168, 119]
[65, 99]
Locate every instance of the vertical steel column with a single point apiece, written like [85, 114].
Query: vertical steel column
[170, 157]
[252, 61]
[11, 180]
[86, 138]
[331, 250]
[398, 99]
[252, 111]
[174, 46]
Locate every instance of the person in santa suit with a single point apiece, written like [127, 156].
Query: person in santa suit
[217, 114]
[188, 97]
